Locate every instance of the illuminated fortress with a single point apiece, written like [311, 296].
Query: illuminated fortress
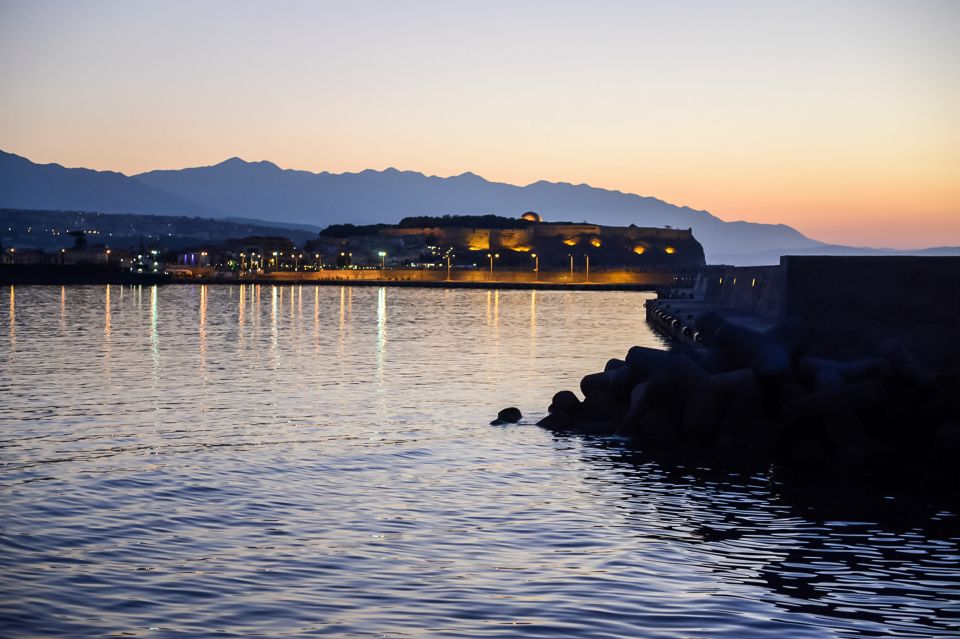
[555, 242]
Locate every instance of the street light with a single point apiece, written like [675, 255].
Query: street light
[495, 255]
[588, 268]
[536, 263]
[383, 260]
[570, 255]
[276, 262]
[448, 265]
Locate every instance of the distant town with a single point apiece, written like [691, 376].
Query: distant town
[185, 248]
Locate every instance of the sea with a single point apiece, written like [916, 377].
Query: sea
[318, 461]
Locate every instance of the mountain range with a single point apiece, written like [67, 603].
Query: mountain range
[262, 191]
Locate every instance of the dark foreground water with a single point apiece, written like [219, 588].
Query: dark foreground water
[259, 461]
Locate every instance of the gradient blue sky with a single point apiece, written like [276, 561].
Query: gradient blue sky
[839, 118]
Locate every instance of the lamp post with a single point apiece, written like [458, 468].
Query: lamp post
[448, 265]
[296, 261]
[316, 261]
[383, 260]
[570, 255]
[276, 262]
[588, 268]
[492, 256]
[536, 266]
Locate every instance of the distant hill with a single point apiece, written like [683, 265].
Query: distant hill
[255, 188]
[26, 185]
[50, 230]
[262, 191]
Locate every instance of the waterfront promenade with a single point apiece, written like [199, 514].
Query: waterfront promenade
[613, 279]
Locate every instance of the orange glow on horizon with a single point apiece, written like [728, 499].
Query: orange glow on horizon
[837, 119]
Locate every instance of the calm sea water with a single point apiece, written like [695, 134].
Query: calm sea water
[302, 461]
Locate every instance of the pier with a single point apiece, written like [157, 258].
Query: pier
[819, 365]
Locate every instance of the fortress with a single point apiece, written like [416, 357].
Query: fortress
[516, 241]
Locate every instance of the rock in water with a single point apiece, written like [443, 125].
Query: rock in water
[563, 402]
[507, 416]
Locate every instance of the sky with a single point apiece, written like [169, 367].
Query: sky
[841, 119]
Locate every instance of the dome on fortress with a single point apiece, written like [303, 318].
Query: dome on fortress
[530, 216]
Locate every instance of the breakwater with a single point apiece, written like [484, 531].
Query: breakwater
[777, 366]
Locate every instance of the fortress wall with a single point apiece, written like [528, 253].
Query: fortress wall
[512, 239]
[565, 230]
[475, 239]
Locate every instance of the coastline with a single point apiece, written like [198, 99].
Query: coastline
[45, 275]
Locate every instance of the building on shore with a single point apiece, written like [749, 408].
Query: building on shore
[516, 243]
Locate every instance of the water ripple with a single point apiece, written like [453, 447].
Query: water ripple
[297, 461]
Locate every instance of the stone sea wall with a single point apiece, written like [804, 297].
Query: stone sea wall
[840, 364]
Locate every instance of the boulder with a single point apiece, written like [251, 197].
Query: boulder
[851, 371]
[644, 397]
[791, 333]
[558, 421]
[686, 373]
[564, 402]
[613, 364]
[646, 361]
[657, 432]
[707, 325]
[621, 381]
[947, 438]
[767, 353]
[600, 406]
[827, 379]
[842, 426]
[593, 383]
[742, 401]
[701, 415]
[808, 452]
[904, 364]
[509, 415]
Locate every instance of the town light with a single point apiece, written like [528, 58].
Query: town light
[536, 263]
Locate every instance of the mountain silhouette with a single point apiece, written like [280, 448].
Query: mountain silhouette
[26, 185]
[236, 188]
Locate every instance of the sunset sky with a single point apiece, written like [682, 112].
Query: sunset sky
[841, 119]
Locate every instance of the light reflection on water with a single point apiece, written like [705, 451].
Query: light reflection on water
[229, 460]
